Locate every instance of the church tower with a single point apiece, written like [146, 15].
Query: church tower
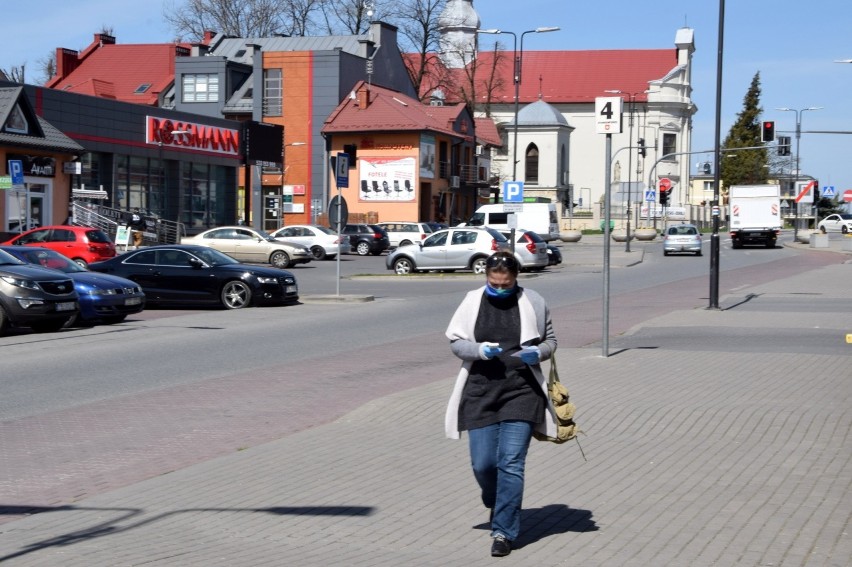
[458, 24]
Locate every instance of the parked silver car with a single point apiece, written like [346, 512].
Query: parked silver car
[458, 248]
[682, 238]
[246, 244]
[320, 240]
[530, 249]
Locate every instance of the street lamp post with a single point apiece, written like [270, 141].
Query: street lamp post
[796, 182]
[517, 55]
[632, 100]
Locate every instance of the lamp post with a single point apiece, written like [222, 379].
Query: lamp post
[632, 100]
[517, 55]
[796, 182]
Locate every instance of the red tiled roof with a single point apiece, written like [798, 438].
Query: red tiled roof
[126, 67]
[390, 111]
[563, 76]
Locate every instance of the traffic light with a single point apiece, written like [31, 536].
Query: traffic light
[707, 169]
[767, 132]
[664, 197]
[816, 190]
[783, 145]
[641, 143]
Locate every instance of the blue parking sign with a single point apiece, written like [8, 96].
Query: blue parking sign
[513, 191]
[16, 172]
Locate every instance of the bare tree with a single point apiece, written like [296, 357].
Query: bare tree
[419, 34]
[238, 18]
[15, 74]
[350, 16]
[47, 65]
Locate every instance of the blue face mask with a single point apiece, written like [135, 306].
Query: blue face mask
[498, 293]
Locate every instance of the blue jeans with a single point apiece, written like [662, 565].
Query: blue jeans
[498, 454]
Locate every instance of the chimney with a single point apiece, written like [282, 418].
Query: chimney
[208, 37]
[363, 97]
[66, 61]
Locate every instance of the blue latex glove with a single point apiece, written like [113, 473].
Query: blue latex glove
[489, 350]
[531, 355]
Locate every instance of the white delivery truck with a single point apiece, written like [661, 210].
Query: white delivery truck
[537, 217]
[754, 214]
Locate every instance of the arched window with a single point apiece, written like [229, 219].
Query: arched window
[531, 164]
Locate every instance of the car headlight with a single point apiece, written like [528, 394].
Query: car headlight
[96, 291]
[267, 279]
[20, 282]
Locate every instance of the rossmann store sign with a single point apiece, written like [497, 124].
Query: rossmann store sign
[192, 136]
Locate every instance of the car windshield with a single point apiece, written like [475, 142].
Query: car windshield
[326, 230]
[7, 259]
[51, 259]
[846, 216]
[496, 234]
[97, 236]
[213, 257]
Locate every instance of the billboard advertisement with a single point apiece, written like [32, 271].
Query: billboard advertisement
[386, 179]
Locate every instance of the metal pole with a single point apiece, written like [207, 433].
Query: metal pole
[714, 238]
[629, 173]
[517, 79]
[796, 181]
[607, 215]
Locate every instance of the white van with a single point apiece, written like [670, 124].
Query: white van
[537, 217]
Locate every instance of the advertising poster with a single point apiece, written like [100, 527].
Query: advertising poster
[427, 156]
[386, 179]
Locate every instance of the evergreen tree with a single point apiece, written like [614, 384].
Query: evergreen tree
[745, 167]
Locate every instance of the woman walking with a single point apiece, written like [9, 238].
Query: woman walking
[501, 332]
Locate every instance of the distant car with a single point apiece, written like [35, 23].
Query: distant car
[554, 255]
[682, 238]
[322, 241]
[838, 222]
[367, 239]
[102, 297]
[405, 233]
[459, 248]
[247, 244]
[80, 243]
[35, 297]
[190, 274]
[530, 249]
[436, 226]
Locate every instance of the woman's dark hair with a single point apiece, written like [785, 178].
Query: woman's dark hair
[502, 262]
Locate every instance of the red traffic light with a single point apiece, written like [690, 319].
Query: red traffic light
[767, 133]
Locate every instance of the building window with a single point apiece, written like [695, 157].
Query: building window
[16, 122]
[200, 88]
[272, 92]
[669, 144]
[531, 164]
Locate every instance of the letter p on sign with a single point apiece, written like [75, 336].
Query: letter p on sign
[513, 191]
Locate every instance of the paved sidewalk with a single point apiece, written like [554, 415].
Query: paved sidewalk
[714, 437]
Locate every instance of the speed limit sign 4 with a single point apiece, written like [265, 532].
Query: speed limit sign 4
[608, 110]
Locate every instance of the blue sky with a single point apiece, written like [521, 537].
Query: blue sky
[792, 44]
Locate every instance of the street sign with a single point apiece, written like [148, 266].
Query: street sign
[342, 169]
[847, 196]
[513, 207]
[829, 191]
[650, 196]
[665, 184]
[513, 191]
[803, 192]
[608, 111]
[338, 213]
[16, 172]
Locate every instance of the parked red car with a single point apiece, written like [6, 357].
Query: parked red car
[82, 244]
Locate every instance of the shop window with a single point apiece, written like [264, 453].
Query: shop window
[200, 87]
[531, 164]
[273, 88]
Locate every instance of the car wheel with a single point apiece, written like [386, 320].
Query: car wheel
[403, 266]
[698, 253]
[114, 320]
[478, 265]
[405, 243]
[318, 252]
[49, 326]
[279, 259]
[844, 229]
[362, 248]
[665, 252]
[82, 263]
[236, 295]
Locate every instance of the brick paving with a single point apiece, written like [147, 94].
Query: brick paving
[715, 451]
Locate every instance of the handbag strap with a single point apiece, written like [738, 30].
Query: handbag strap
[554, 375]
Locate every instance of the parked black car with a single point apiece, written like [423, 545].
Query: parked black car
[367, 239]
[36, 297]
[184, 274]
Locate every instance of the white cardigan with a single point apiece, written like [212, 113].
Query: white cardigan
[536, 329]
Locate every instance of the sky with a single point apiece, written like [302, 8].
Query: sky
[793, 44]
